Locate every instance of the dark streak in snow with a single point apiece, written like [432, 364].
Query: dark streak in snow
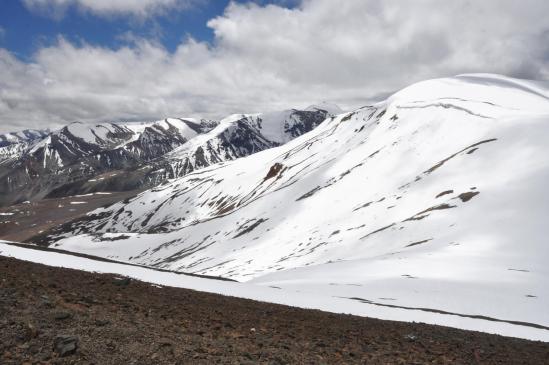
[442, 162]
[418, 242]
[444, 193]
[377, 231]
[250, 227]
[433, 310]
[465, 197]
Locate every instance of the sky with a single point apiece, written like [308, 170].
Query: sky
[126, 60]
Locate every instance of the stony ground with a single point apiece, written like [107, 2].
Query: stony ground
[90, 318]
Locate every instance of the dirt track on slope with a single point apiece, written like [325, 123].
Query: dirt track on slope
[131, 322]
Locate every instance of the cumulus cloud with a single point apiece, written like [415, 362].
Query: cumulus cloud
[267, 57]
[140, 8]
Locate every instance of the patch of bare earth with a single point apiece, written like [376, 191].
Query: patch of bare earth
[23, 221]
[96, 318]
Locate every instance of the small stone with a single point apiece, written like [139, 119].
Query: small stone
[101, 322]
[165, 342]
[89, 300]
[410, 337]
[45, 357]
[111, 345]
[32, 331]
[65, 345]
[34, 349]
[45, 301]
[62, 315]
[121, 281]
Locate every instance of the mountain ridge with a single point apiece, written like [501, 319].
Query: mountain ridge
[81, 158]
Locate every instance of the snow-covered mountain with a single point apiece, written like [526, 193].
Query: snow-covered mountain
[77, 152]
[81, 158]
[13, 145]
[237, 136]
[25, 136]
[433, 200]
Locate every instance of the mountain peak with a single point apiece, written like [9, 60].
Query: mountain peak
[331, 108]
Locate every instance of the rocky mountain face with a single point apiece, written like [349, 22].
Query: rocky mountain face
[239, 136]
[79, 152]
[432, 200]
[80, 159]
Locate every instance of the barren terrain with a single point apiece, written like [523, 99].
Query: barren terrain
[22, 221]
[102, 319]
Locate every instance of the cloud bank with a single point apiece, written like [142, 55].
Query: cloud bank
[269, 57]
[139, 8]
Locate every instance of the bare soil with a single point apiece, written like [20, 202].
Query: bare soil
[23, 221]
[99, 319]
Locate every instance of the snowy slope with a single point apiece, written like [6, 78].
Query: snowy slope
[13, 145]
[27, 135]
[267, 294]
[237, 136]
[12, 151]
[435, 199]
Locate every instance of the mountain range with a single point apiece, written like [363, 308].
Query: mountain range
[81, 158]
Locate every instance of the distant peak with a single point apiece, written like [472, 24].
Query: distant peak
[327, 106]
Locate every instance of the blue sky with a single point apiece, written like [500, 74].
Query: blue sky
[25, 31]
[117, 60]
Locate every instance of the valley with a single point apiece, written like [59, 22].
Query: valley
[24, 221]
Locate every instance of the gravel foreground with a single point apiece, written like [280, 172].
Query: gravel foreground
[61, 316]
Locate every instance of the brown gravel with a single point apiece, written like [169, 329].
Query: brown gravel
[131, 322]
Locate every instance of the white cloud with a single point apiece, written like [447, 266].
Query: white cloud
[140, 8]
[267, 57]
